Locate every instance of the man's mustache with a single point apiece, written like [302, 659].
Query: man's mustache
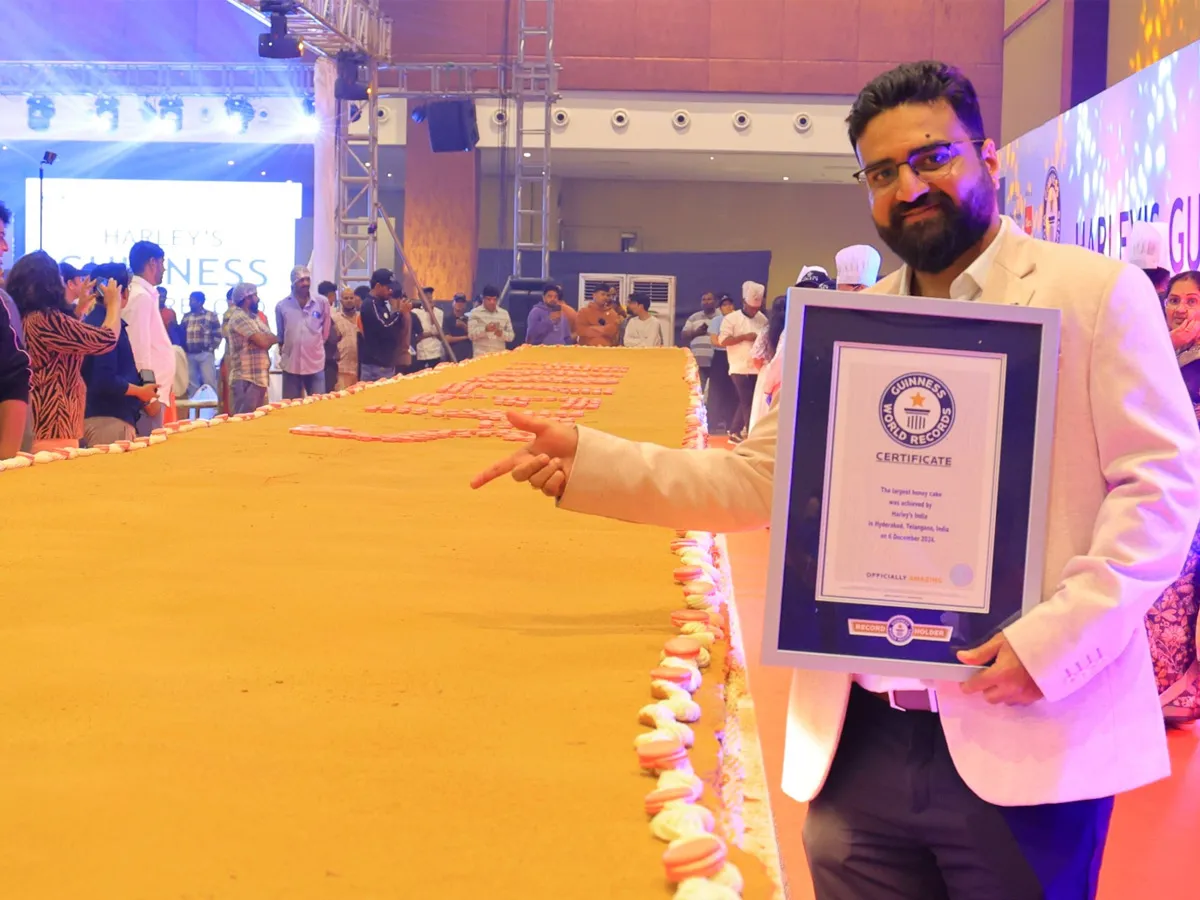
[929, 201]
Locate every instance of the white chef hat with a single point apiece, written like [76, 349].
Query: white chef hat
[807, 269]
[301, 272]
[1146, 246]
[858, 264]
[753, 292]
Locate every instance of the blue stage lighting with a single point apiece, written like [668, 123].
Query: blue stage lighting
[41, 111]
[108, 113]
[170, 113]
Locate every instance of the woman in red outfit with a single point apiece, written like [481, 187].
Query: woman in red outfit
[57, 342]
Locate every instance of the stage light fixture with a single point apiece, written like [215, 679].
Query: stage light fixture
[108, 113]
[310, 105]
[239, 113]
[41, 111]
[170, 114]
[278, 44]
[419, 114]
[351, 81]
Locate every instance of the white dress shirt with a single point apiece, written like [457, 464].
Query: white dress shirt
[430, 345]
[741, 354]
[148, 335]
[967, 286]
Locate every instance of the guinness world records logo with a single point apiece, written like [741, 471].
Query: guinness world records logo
[916, 410]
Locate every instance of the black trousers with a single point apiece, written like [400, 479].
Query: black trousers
[896, 822]
[744, 385]
[721, 397]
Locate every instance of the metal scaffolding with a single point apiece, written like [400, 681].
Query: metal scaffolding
[534, 80]
[332, 26]
[358, 208]
[426, 80]
[155, 79]
[328, 27]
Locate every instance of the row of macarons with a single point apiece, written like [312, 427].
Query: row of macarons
[695, 859]
[24, 460]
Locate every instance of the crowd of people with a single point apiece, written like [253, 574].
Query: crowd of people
[96, 355]
[110, 359]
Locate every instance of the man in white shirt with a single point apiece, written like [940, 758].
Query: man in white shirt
[642, 329]
[489, 326]
[152, 348]
[1001, 787]
[739, 331]
[429, 342]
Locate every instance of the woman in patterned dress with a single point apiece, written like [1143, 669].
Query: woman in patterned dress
[1171, 622]
[57, 342]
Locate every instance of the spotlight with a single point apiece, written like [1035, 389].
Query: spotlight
[170, 114]
[279, 44]
[239, 113]
[41, 111]
[350, 77]
[309, 123]
[108, 112]
[419, 114]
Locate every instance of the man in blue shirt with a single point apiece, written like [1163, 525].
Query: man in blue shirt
[549, 322]
[116, 395]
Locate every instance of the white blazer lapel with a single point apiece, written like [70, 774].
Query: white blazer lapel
[1007, 281]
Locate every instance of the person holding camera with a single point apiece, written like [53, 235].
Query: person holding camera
[57, 343]
[117, 393]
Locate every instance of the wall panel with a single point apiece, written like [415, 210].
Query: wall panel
[724, 45]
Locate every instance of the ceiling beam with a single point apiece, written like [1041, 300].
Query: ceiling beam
[155, 79]
[327, 27]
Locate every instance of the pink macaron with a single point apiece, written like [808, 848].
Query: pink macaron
[657, 799]
[658, 756]
[672, 674]
[684, 574]
[683, 648]
[698, 856]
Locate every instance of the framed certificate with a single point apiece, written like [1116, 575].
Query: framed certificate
[911, 480]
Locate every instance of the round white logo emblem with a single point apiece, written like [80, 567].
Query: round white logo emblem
[916, 410]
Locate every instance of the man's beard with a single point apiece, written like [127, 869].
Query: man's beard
[933, 244]
[252, 308]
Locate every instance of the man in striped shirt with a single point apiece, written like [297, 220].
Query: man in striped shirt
[697, 334]
[203, 331]
[249, 340]
[490, 327]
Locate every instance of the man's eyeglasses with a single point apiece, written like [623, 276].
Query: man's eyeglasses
[928, 164]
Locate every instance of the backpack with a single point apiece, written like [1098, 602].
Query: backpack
[1175, 645]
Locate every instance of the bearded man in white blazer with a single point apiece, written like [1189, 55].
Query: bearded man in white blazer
[1000, 788]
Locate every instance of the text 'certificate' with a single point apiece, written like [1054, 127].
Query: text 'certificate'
[911, 472]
